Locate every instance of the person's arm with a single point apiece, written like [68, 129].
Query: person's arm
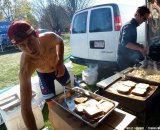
[127, 37]
[134, 46]
[60, 52]
[26, 98]
[137, 47]
[60, 65]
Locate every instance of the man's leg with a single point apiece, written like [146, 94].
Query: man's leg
[48, 88]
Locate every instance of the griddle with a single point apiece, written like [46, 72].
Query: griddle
[139, 79]
[133, 104]
[113, 89]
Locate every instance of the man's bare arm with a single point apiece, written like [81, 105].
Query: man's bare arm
[60, 53]
[60, 50]
[26, 98]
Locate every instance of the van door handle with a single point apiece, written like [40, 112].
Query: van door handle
[106, 51]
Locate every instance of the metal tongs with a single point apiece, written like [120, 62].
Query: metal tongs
[149, 65]
[68, 101]
[82, 92]
[146, 62]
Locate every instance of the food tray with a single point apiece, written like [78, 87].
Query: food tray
[143, 79]
[112, 89]
[76, 92]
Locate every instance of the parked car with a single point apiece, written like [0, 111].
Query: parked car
[95, 33]
[40, 30]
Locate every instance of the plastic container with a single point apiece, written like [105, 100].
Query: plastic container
[90, 75]
[69, 68]
[13, 118]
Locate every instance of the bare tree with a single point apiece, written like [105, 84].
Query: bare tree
[6, 9]
[51, 15]
[12, 10]
[1, 16]
[74, 5]
[55, 14]
[38, 8]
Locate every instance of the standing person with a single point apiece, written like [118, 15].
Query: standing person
[129, 51]
[43, 54]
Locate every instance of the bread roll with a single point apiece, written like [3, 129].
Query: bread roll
[143, 86]
[139, 91]
[129, 83]
[92, 102]
[92, 112]
[106, 106]
[79, 108]
[123, 89]
[79, 100]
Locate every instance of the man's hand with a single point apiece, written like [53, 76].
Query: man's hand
[144, 50]
[61, 98]
[68, 94]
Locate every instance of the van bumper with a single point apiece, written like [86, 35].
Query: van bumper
[87, 62]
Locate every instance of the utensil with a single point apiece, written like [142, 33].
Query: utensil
[146, 62]
[68, 101]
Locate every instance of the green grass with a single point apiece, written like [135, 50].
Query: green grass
[9, 69]
[45, 116]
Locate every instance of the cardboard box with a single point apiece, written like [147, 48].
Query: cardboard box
[63, 120]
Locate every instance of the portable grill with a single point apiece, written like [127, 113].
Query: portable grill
[140, 106]
[69, 104]
[151, 71]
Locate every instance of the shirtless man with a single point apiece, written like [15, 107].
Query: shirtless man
[43, 54]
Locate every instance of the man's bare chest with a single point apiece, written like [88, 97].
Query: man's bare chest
[46, 63]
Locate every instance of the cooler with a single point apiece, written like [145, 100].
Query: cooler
[11, 113]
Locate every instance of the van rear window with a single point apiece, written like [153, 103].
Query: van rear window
[79, 23]
[100, 20]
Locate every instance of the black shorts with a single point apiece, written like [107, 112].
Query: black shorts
[47, 85]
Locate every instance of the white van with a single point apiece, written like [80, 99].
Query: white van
[95, 33]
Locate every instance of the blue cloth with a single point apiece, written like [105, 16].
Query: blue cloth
[4, 90]
[127, 57]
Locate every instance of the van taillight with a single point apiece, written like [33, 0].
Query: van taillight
[70, 29]
[117, 23]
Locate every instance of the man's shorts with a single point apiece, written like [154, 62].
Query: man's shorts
[47, 85]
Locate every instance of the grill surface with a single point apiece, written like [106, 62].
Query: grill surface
[143, 79]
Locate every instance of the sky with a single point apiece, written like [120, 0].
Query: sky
[133, 2]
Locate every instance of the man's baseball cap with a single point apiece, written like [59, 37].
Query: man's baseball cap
[19, 31]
